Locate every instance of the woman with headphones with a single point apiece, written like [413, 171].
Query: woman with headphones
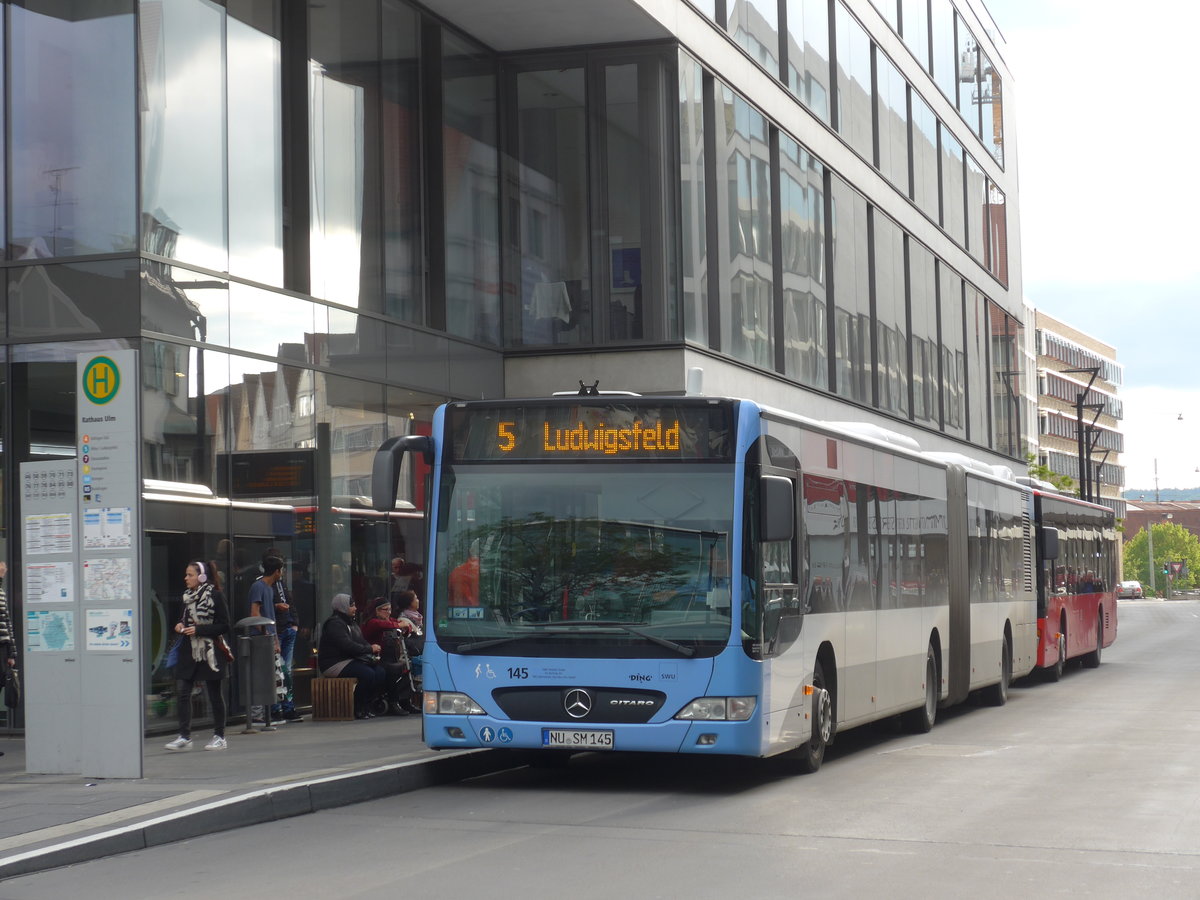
[202, 653]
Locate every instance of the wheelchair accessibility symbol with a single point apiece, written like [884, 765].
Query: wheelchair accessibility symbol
[504, 735]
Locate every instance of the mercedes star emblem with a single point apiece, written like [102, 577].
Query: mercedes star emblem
[577, 703]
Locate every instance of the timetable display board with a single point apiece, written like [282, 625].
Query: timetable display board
[641, 429]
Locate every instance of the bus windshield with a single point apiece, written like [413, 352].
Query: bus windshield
[616, 560]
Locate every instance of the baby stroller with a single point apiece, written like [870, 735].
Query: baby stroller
[402, 693]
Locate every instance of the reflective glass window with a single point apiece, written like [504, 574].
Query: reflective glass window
[953, 186]
[754, 25]
[183, 132]
[274, 405]
[403, 260]
[356, 415]
[977, 210]
[635, 252]
[255, 142]
[892, 109]
[891, 316]
[354, 344]
[968, 76]
[275, 325]
[73, 300]
[922, 299]
[945, 68]
[977, 383]
[991, 101]
[953, 369]
[744, 217]
[72, 78]
[470, 189]
[707, 7]
[997, 222]
[1005, 333]
[344, 139]
[805, 311]
[183, 303]
[692, 200]
[914, 25]
[925, 157]
[851, 292]
[853, 83]
[553, 183]
[808, 54]
[643, 253]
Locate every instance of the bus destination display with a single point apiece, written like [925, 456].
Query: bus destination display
[601, 431]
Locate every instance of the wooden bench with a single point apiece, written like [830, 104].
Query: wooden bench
[333, 699]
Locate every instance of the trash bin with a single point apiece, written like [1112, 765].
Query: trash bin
[256, 667]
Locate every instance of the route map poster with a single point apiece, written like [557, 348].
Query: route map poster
[47, 630]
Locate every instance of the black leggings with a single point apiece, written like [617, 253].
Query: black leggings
[216, 699]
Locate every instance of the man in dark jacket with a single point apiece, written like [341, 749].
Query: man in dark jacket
[343, 652]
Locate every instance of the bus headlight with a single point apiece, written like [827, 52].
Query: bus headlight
[449, 703]
[729, 709]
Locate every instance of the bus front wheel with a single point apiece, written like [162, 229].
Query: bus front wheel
[811, 754]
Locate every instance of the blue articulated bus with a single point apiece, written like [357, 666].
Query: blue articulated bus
[706, 575]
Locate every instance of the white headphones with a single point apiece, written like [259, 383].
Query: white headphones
[203, 576]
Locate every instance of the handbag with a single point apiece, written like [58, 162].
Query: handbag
[223, 648]
[12, 689]
[172, 659]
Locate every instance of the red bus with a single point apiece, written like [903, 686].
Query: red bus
[1077, 549]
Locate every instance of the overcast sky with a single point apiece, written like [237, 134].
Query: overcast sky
[1106, 148]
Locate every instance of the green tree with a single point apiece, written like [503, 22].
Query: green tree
[1172, 543]
[1045, 473]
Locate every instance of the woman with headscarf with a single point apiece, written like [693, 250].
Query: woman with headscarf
[343, 652]
[202, 651]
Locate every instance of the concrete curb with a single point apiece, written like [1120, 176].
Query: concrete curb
[262, 805]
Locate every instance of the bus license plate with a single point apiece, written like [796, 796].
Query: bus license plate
[577, 740]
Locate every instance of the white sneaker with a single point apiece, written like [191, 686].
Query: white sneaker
[180, 743]
[217, 743]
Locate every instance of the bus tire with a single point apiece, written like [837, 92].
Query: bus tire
[809, 756]
[997, 694]
[922, 719]
[1055, 672]
[1092, 660]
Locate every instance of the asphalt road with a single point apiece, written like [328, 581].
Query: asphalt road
[1089, 787]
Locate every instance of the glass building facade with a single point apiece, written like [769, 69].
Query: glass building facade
[316, 221]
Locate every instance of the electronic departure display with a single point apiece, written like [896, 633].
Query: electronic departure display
[624, 429]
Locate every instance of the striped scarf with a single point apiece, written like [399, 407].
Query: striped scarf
[8, 646]
[200, 609]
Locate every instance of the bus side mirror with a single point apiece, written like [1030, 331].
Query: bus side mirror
[1049, 548]
[385, 470]
[777, 508]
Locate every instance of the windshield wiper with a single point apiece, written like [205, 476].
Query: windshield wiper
[630, 629]
[574, 623]
[496, 642]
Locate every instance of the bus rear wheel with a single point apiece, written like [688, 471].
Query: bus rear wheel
[997, 694]
[1092, 660]
[921, 719]
[811, 754]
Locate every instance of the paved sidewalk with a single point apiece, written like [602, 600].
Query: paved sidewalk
[55, 820]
